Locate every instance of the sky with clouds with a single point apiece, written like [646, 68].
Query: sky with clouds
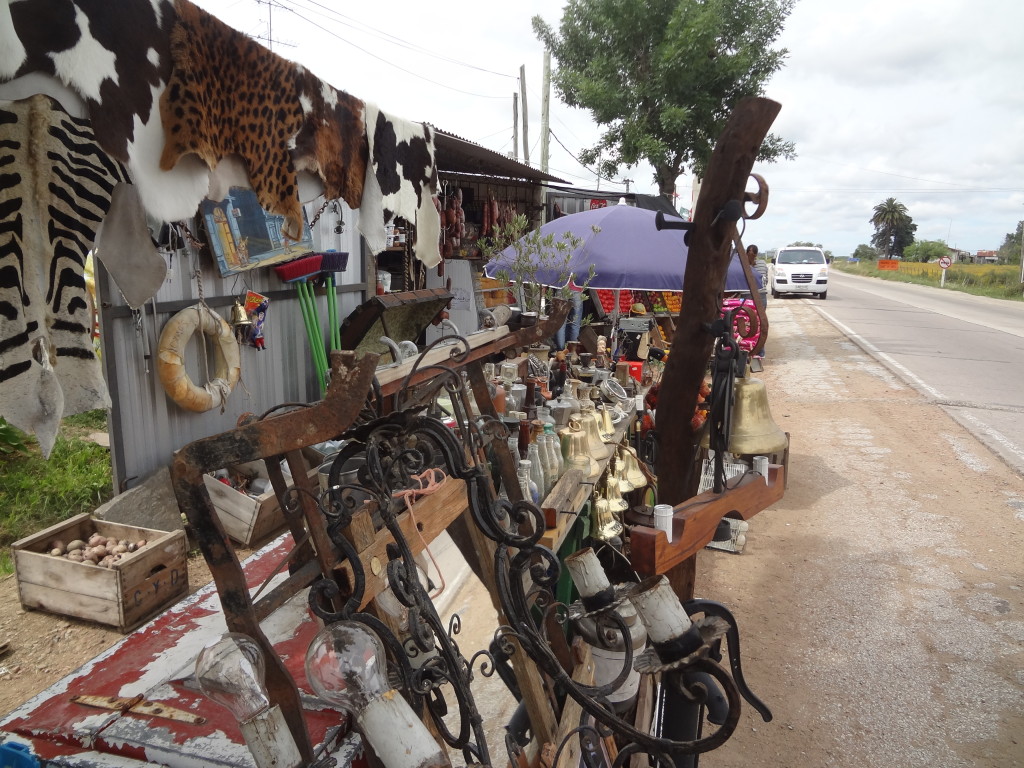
[920, 100]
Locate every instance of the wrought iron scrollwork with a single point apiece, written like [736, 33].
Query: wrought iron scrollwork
[394, 453]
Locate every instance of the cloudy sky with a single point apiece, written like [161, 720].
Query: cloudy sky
[920, 100]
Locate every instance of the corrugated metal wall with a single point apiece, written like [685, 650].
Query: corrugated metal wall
[146, 426]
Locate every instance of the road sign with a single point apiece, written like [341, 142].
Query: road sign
[888, 264]
[945, 262]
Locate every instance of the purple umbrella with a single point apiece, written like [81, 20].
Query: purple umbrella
[627, 251]
[735, 278]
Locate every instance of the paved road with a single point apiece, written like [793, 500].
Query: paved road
[880, 601]
[966, 353]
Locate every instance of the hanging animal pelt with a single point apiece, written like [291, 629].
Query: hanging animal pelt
[55, 188]
[401, 180]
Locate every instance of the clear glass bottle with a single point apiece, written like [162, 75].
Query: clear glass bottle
[527, 483]
[513, 448]
[537, 473]
[544, 415]
[555, 448]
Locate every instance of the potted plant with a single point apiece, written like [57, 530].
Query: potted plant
[534, 253]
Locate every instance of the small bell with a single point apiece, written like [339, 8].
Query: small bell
[597, 447]
[238, 316]
[604, 423]
[614, 497]
[618, 476]
[604, 523]
[631, 469]
[575, 445]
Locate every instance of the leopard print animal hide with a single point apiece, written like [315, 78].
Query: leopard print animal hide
[401, 180]
[228, 95]
[55, 190]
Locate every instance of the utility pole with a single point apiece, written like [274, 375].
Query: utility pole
[545, 114]
[627, 182]
[526, 131]
[515, 127]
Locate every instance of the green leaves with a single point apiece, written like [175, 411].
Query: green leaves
[662, 76]
[534, 253]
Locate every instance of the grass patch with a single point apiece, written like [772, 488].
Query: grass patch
[997, 281]
[36, 493]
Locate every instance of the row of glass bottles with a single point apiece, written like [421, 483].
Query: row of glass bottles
[542, 467]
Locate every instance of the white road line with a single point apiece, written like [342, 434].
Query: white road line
[995, 434]
[913, 379]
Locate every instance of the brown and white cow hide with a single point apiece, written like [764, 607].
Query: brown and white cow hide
[55, 189]
[401, 180]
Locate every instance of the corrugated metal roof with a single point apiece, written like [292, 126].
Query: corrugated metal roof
[457, 155]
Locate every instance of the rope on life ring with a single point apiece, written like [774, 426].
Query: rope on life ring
[170, 363]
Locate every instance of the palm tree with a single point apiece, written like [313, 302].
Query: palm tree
[887, 218]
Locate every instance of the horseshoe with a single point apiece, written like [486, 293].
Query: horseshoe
[759, 198]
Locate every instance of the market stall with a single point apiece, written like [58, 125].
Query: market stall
[447, 434]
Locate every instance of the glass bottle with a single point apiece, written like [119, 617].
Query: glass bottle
[525, 432]
[544, 416]
[555, 446]
[549, 456]
[537, 473]
[527, 483]
[513, 448]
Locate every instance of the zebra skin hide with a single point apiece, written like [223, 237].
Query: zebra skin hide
[55, 189]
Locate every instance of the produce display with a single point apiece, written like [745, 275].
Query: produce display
[98, 550]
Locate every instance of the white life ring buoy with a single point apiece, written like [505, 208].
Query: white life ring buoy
[170, 364]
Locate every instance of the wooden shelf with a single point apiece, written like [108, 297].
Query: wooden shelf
[570, 509]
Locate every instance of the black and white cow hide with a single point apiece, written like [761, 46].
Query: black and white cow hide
[401, 179]
[116, 57]
[55, 188]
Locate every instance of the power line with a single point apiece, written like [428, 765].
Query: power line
[348, 21]
[582, 164]
[382, 59]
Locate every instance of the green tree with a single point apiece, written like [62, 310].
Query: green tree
[1010, 250]
[926, 250]
[661, 76]
[865, 252]
[894, 228]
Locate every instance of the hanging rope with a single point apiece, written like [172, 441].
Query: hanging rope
[427, 482]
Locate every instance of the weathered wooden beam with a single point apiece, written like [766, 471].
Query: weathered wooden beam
[710, 250]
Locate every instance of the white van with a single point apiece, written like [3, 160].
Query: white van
[799, 270]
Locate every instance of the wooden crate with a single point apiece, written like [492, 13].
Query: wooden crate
[125, 595]
[495, 292]
[246, 519]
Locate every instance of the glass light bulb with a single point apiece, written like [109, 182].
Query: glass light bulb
[346, 666]
[230, 672]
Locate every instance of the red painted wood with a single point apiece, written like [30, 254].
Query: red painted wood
[156, 661]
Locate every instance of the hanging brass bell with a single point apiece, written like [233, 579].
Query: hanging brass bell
[575, 445]
[615, 501]
[617, 474]
[239, 317]
[597, 447]
[754, 432]
[604, 523]
[631, 470]
[604, 423]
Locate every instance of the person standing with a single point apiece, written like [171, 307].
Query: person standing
[760, 268]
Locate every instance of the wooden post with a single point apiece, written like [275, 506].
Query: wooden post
[710, 250]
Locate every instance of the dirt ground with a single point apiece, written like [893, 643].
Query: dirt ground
[879, 603]
[43, 648]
